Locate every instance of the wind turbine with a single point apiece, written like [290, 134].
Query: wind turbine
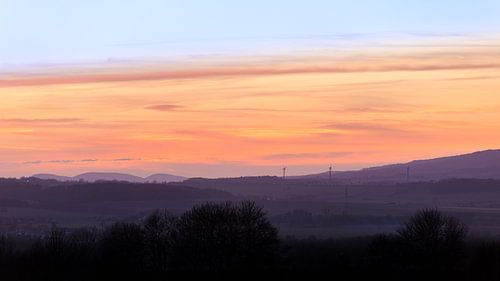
[330, 173]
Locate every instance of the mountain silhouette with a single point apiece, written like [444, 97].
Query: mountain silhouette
[480, 165]
[164, 178]
[97, 176]
[477, 165]
[91, 177]
[53, 177]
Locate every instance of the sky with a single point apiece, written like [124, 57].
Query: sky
[230, 88]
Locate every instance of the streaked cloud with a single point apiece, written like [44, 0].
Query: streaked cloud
[71, 161]
[327, 155]
[41, 120]
[362, 126]
[472, 77]
[164, 107]
[457, 59]
[231, 116]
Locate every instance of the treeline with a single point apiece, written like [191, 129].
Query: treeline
[332, 218]
[52, 194]
[221, 238]
[213, 237]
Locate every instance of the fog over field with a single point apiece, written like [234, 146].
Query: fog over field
[347, 204]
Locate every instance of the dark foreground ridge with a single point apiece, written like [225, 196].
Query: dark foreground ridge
[238, 238]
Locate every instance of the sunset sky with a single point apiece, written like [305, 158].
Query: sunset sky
[230, 88]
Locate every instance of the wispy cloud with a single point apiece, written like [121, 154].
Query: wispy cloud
[372, 109]
[288, 65]
[72, 161]
[164, 107]
[364, 126]
[471, 78]
[124, 159]
[300, 109]
[286, 156]
[41, 120]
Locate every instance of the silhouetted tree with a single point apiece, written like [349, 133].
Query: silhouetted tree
[385, 257]
[122, 251]
[225, 237]
[485, 263]
[83, 252]
[83, 240]
[56, 244]
[159, 229]
[6, 252]
[47, 258]
[432, 241]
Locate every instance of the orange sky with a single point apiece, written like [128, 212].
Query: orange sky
[234, 116]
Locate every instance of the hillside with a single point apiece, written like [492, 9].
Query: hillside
[478, 165]
[101, 176]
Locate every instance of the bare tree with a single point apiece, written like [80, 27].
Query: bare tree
[433, 240]
[159, 228]
[122, 250]
[56, 244]
[6, 251]
[225, 237]
[82, 243]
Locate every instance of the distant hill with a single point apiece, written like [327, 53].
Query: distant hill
[103, 197]
[53, 177]
[478, 165]
[93, 177]
[164, 178]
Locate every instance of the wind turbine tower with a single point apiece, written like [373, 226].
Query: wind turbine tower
[408, 173]
[330, 174]
[346, 197]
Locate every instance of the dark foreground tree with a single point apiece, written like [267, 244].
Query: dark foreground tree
[5, 254]
[432, 241]
[159, 230]
[225, 237]
[485, 264]
[122, 251]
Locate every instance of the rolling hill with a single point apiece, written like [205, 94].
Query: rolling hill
[164, 178]
[477, 165]
[92, 177]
